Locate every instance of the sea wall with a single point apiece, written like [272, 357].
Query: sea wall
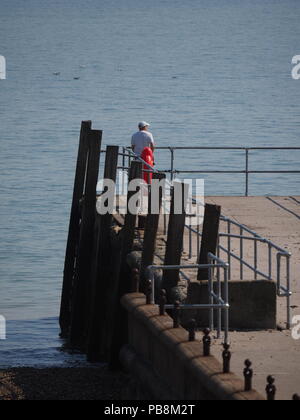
[165, 365]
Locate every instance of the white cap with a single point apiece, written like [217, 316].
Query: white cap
[143, 124]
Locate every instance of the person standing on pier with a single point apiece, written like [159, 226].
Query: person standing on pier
[143, 138]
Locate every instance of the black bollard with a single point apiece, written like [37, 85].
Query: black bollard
[206, 342]
[226, 358]
[248, 374]
[296, 397]
[271, 388]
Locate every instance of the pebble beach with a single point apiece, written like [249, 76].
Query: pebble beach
[61, 384]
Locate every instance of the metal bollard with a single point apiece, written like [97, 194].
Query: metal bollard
[271, 388]
[135, 280]
[162, 302]
[148, 292]
[192, 330]
[226, 358]
[248, 375]
[206, 342]
[296, 397]
[176, 314]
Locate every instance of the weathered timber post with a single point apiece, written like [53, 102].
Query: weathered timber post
[112, 301]
[120, 327]
[101, 269]
[130, 219]
[151, 228]
[210, 236]
[175, 236]
[74, 228]
[83, 268]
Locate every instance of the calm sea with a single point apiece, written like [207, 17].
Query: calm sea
[203, 72]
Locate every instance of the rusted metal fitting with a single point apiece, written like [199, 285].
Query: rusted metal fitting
[271, 388]
[226, 358]
[206, 342]
[248, 375]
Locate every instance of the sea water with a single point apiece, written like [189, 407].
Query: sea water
[213, 73]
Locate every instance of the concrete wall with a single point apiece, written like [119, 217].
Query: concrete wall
[253, 304]
[165, 366]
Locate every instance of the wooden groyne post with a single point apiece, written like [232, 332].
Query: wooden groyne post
[210, 236]
[79, 315]
[74, 229]
[74, 306]
[151, 229]
[97, 274]
[120, 332]
[102, 267]
[175, 237]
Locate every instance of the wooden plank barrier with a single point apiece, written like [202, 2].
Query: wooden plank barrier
[79, 314]
[210, 236]
[120, 333]
[74, 229]
[151, 228]
[175, 236]
[101, 270]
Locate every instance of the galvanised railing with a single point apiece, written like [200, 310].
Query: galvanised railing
[215, 299]
[270, 272]
[246, 171]
[273, 272]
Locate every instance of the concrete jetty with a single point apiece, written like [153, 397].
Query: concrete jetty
[136, 288]
[275, 352]
[272, 351]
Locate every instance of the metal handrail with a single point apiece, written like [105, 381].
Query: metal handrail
[172, 171]
[222, 303]
[282, 291]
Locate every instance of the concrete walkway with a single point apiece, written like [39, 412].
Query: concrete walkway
[276, 219]
[272, 352]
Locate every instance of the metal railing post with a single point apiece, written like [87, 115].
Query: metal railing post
[229, 248]
[241, 253]
[288, 281]
[226, 317]
[210, 296]
[172, 163]
[247, 172]
[123, 171]
[255, 259]
[220, 297]
[270, 261]
[198, 239]
[190, 241]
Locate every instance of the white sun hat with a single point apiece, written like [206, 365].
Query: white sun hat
[143, 124]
